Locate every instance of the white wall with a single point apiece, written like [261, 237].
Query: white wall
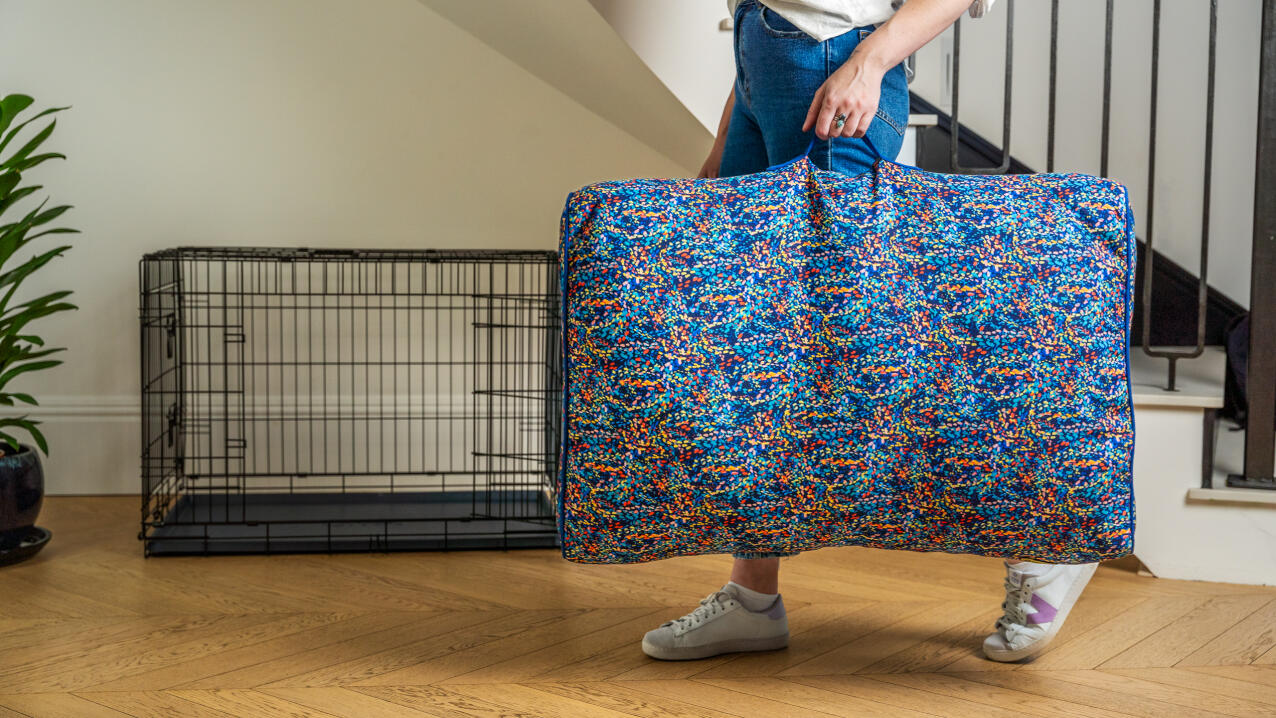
[681, 43]
[569, 45]
[271, 122]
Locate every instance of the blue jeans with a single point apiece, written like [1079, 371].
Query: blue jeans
[778, 70]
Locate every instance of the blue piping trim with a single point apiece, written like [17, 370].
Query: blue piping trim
[797, 159]
[561, 479]
[1132, 253]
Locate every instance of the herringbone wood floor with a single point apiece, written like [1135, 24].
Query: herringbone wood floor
[90, 628]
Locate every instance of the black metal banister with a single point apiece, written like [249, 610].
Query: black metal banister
[1202, 294]
[1260, 425]
[954, 143]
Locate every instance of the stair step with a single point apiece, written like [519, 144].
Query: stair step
[1229, 458]
[1199, 382]
[1261, 497]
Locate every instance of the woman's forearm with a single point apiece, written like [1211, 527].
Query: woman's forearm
[725, 122]
[713, 162]
[914, 24]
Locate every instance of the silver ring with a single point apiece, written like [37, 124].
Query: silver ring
[840, 120]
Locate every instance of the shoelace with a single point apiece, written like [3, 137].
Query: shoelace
[710, 606]
[1013, 620]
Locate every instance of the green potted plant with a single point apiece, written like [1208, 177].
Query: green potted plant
[21, 351]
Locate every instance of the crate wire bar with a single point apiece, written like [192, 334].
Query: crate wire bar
[303, 400]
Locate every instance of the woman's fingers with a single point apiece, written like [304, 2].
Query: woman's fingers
[848, 127]
[825, 108]
[814, 112]
[826, 125]
[861, 126]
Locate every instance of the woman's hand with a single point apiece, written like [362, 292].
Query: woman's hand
[853, 90]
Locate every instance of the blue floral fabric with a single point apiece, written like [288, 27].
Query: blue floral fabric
[796, 359]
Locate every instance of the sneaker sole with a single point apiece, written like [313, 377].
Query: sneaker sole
[1069, 601]
[738, 645]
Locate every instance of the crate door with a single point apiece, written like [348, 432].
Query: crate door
[516, 392]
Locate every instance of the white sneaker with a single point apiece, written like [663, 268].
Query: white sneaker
[1035, 608]
[721, 624]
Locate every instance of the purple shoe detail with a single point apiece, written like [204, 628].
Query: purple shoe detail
[1045, 612]
[776, 611]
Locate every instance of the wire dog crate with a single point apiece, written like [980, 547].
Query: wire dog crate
[300, 400]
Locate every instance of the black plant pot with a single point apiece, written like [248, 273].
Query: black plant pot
[21, 495]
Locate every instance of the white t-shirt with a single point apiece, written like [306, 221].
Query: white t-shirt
[822, 19]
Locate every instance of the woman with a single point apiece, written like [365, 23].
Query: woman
[846, 56]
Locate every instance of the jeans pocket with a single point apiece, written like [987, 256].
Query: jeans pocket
[777, 26]
[895, 124]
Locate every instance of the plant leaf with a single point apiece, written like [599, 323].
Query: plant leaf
[30, 146]
[30, 162]
[10, 107]
[23, 368]
[14, 132]
[15, 196]
[60, 230]
[39, 437]
[8, 181]
[17, 274]
[49, 215]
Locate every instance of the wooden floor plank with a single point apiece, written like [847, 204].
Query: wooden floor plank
[1243, 643]
[54, 705]
[579, 659]
[1028, 703]
[1180, 638]
[1192, 697]
[493, 644]
[1226, 684]
[312, 651]
[31, 595]
[1052, 685]
[64, 662]
[344, 702]
[1262, 675]
[80, 672]
[65, 634]
[389, 591]
[718, 698]
[814, 629]
[248, 702]
[904, 697]
[153, 704]
[374, 655]
[813, 698]
[931, 654]
[283, 639]
[910, 628]
[534, 702]
[623, 699]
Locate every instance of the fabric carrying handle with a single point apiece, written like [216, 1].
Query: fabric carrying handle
[811, 145]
